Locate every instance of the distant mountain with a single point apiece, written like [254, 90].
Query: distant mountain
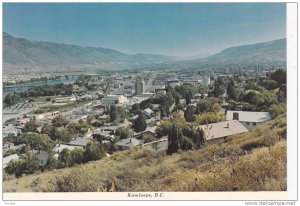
[21, 54]
[272, 52]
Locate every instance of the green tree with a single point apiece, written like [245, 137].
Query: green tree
[155, 146]
[202, 106]
[231, 91]
[139, 124]
[135, 108]
[16, 167]
[198, 138]
[218, 87]
[279, 76]
[189, 113]
[12, 99]
[26, 165]
[117, 114]
[124, 132]
[174, 136]
[163, 128]
[216, 107]
[76, 156]
[112, 113]
[269, 84]
[209, 118]
[30, 127]
[188, 97]
[93, 151]
[64, 135]
[186, 143]
[46, 129]
[65, 157]
[59, 121]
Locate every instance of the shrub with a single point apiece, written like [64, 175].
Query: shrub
[277, 109]
[75, 180]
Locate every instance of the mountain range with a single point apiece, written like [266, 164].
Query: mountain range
[21, 55]
[271, 52]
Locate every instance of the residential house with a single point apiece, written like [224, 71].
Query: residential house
[10, 130]
[78, 141]
[110, 128]
[42, 157]
[151, 122]
[106, 135]
[9, 158]
[128, 143]
[251, 120]
[8, 145]
[148, 112]
[22, 121]
[60, 147]
[218, 132]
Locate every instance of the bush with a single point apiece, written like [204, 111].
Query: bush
[277, 109]
[209, 118]
[75, 180]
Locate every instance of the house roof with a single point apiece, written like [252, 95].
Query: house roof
[152, 119]
[223, 129]
[79, 142]
[59, 147]
[102, 132]
[130, 142]
[42, 155]
[7, 159]
[246, 116]
[148, 110]
[134, 117]
[151, 129]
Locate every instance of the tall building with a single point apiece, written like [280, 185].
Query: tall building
[140, 86]
[206, 80]
[258, 70]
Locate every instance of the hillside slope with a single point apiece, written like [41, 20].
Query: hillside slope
[255, 161]
[19, 53]
[272, 52]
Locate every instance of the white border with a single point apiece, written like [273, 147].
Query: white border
[292, 103]
[292, 99]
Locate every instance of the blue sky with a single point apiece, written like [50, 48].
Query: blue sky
[172, 29]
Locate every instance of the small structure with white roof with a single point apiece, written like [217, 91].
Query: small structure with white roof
[9, 158]
[251, 120]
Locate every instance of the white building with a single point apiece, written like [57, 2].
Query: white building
[206, 80]
[113, 99]
[148, 112]
[9, 158]
[258, 70]
[251, 120]
[140, 86]
[65, 99]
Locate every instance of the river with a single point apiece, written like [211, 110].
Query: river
[24, 87]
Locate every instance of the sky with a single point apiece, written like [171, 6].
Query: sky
[177, 29]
